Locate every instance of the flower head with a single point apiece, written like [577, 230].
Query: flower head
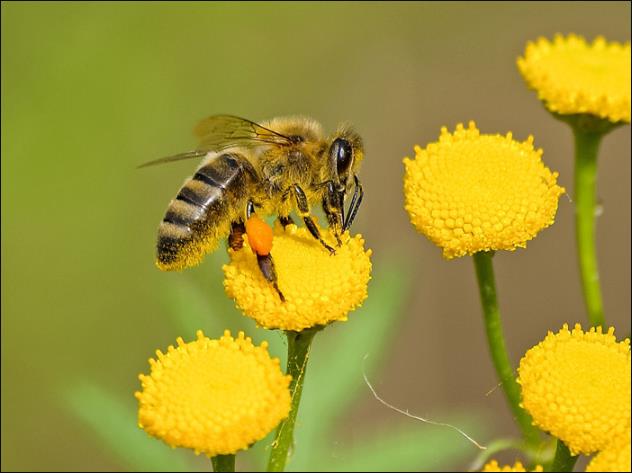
[576, 385]
[319, 288]
[214, 396]
[614, 457]
[494, 466]
[470, 192]
[574, 77]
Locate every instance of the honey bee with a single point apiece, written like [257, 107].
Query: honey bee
[271, 168]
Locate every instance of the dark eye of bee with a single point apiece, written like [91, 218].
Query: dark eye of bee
[342, 151]
[232, 162]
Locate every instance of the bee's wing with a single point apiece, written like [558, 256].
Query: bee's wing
[225, 131]
[175, 157]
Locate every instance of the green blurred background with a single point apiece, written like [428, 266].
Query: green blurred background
[89, 91]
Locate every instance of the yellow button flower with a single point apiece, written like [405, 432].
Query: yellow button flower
[614, 457]
[470, 192]
[318, 288]
[494, 466]
[214, 396]
[574, 77]
[576, 385]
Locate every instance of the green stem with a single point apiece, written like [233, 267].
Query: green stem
[586, 147]
[563, 460]
[298, 345]
[496, 341]
[223, 463]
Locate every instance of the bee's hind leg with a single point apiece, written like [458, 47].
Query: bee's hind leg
[264, 258]
[266, 265]
[303, 209]
[236, 236]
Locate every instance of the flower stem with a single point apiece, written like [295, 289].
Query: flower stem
[563, 460]
[496, 341]
[223, 463]
[586, 147]
[297, 355]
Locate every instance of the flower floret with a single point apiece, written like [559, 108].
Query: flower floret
[213, 396]
[318, 287]
[572, 76]
[576, 386]
[471, 192]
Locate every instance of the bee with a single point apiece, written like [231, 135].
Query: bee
[271, 168]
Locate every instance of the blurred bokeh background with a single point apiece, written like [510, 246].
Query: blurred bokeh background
[91, 90]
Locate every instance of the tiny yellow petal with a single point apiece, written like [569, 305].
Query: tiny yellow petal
[470, 192]
[213, 396]
[614, 457]
[576, 385]
[494, 466]
[572, 76]
[318, 287]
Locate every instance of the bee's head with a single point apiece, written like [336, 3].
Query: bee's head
[345, 154]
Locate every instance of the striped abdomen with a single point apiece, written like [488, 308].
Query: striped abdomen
[202, 212]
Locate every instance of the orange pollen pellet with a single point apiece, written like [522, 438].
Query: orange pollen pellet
[259, 235]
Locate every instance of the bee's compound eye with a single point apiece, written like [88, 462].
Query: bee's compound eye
[341, 149]
[231, 161]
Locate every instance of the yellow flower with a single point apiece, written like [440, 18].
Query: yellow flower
[494, 466]
[470, 192]
[319, 288]
[576, 385]
[574, 77]
[214, 396]
[614, 457]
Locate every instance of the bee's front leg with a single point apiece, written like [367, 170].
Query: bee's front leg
[334, 209]
[356, 200]
[303, 211]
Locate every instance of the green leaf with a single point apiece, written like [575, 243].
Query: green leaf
[114, 422]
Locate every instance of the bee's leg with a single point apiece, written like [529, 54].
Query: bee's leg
[265, 262]
[236, 237]
[250, 209]
[266, 265]
[334, 209]
[356, 200]
[285, 220]
[303, 210]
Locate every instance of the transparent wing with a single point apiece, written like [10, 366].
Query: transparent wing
[222, 131]
[225, 131]
[175, 157]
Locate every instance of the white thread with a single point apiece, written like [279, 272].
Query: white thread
[408, 414]
[488, 393]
